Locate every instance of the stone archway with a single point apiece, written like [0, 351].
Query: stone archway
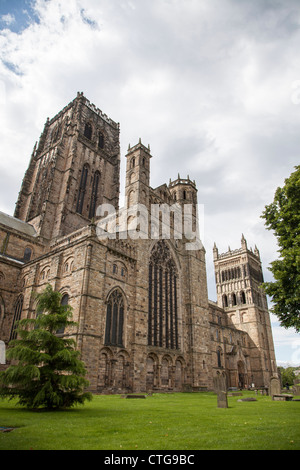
[179, 375]
[151, 372]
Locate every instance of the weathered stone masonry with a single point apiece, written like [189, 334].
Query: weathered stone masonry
[144, 321]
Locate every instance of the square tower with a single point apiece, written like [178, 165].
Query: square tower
[74, 168]
[239, 279]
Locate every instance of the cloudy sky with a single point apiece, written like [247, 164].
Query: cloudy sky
[212, 85]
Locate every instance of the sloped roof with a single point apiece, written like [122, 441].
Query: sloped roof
[16, 224]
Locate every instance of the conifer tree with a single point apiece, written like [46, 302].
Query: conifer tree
[46, 371]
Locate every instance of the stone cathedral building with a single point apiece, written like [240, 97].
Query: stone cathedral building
[144, 321]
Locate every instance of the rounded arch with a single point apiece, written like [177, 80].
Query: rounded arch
[108, 351]
[123, 352]
[165, 371]
[179, 372]
[45, 273]
[104, 368]
[151, 371]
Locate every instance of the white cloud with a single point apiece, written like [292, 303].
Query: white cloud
[8, 19]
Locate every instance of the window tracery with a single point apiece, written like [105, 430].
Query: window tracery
[114, 319]
[162, 301]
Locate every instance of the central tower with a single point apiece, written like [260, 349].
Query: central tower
[239, 277]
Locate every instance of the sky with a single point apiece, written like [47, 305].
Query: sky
[212, 86]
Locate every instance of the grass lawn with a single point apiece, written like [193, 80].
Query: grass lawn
[187, 421]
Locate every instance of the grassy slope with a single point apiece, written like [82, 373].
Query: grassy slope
[161, 422]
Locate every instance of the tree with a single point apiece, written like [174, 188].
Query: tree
[283, 217]
[287, 375]
[47, 372]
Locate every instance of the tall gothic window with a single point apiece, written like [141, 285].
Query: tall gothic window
[94, 197]
[162, 301]
[114, 319]
[82, 188]
[17, 316]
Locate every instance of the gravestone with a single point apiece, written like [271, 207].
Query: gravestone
[296, 387]
[2, 353]
[247, 399]
[220, 387]
[275, 386]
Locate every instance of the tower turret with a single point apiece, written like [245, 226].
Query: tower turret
[137, 175]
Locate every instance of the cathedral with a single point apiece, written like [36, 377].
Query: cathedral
[136, 280]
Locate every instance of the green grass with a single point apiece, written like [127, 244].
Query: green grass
[187, 421]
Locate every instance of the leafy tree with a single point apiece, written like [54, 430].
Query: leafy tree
[283, 217]
[287, 375]
[46, 371]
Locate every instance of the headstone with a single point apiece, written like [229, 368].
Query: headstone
[135, 396]
[2, 353]
[247, 399]
[296, 388]
[220, 387]
[275, 386]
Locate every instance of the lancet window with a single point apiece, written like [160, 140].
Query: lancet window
[82, 188]
[93, 205]
[17, 316]
[163, 299]
[114, 319]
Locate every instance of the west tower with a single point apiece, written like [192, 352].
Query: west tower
[74, 167]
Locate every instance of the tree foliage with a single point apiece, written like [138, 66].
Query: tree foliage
[46, 370]
[283, 217]
[288, 375]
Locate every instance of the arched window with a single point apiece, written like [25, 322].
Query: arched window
[82, 188]
[225, 301]
[162, 300]
[219, 357]
[64, 302]
[2, 311]
[17, 316]
[114, 319]
[27, 255]
[243, 297]
[88, 131]
[233, 299]
[94, 197]
[101, 141]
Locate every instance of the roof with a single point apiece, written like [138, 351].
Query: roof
[17, 224]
